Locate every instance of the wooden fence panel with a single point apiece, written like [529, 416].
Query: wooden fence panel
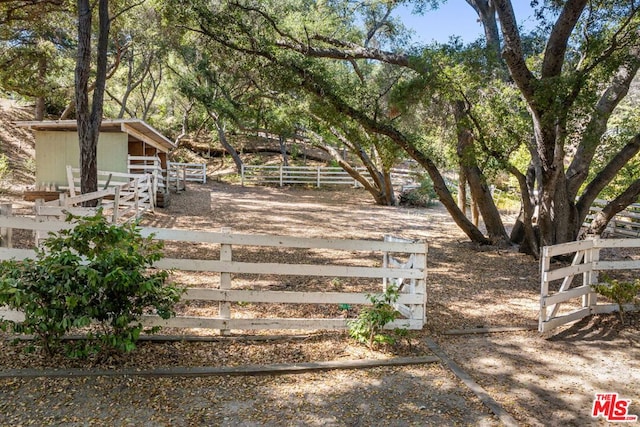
[193, 172]
[314, 175]
[586, 263]
[413, 300]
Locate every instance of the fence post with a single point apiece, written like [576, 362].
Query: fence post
[39, 234]
[136, 201]
[6, 233]
[242, 174]
[116, 205]
[545, 265]
[591, 277]
[225, 280]
[318, 176]
[281, 177]
[420, 261]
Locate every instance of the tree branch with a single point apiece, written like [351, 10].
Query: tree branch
[554, 54]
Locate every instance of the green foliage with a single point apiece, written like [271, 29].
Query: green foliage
[368, 327]
[4, 170]
[93, 273]
[619, 292]
[422, 196]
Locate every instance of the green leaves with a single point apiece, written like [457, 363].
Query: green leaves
[95, 272]
[619, 292]
[367, 328]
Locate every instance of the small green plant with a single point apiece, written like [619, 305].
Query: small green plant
[93, 273]
[5, 170]
[619, 292]
[368, 327]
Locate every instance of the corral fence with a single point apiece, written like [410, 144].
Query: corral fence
[230, 298]
[625, 223]
[191, 172]
[316, 176]
[175, 176]
[568, 302]
[120, 201]
[136, 192]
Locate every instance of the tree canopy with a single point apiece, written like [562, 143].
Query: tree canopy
[542, 108]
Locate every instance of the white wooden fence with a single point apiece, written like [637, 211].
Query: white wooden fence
[314, 175]
[192, 172]
[227, 292]
[137, 190]
[560, 306]
[624, 224]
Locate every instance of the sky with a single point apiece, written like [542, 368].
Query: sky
[455, 17]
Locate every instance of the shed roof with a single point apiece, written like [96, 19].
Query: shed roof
[135, 128]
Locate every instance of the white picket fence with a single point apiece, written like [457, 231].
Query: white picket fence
[229, 298]
[314, 175]
[560, 306]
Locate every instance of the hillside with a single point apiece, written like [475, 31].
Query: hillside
[18, 145]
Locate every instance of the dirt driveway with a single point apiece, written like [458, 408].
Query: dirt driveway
[537, 380]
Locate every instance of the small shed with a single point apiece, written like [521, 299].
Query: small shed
[57, 146]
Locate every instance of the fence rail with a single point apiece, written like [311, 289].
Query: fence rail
[412, 298]
[625, 223]
[314, 175]
[586, 263]
[192, 172]
[137, 191]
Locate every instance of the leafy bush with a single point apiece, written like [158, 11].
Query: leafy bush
[368, 326]
[619, 292]
[422, 196]
[4, 170]
[93, 273]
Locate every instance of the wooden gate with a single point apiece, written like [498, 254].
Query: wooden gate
[571, 302]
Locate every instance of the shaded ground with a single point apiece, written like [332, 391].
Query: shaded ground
[539, 380]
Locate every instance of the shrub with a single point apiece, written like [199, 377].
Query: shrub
[619, 292]
[5, 170]
[422, 196]
[93, 273]
[367, 328]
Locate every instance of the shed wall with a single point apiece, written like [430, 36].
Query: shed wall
[56, 150]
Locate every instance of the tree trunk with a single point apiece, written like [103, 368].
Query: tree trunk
[480, 192]
[283, 150]
[462, 190]
[40, 99]
[89, 118]
[228, 147]
[381, 190]
[602, 218]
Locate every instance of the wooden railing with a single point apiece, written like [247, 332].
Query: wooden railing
[624, 224]
[137, 189]
[192, 172]
[555, 305]
[233, 291]
[314, 175]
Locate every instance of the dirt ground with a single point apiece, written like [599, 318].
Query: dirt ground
[539, 380]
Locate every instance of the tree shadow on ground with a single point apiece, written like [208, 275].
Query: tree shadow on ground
[421, 395]
[538, 380]
[604, 327]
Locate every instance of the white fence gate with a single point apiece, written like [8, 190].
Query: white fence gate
[230, 298]
[561, 306]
